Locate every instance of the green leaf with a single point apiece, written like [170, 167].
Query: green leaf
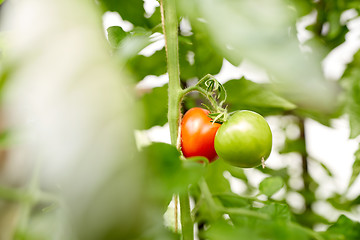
[351, 83]
[317, 116]
[132, 11]
[116, 35]
[329, 12]
[133, 43]
[197, 48]
[355, 168]
[215, 177]
[142, 66]
[343, 229]
[223, 230]
[232, 200]
[254, 230]
[154, 106]
[245, 94]
[340, 202]
[271, 185]
[207, 60]
[237, 172]
[167, 174]
[296, 145]
[282, 172]
[277, 211]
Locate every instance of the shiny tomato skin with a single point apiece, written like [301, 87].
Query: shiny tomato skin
[244, 139]
[198, 134]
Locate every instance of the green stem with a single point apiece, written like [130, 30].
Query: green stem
[186, 220]
[202, 91]
[205, 191]
[170, 28]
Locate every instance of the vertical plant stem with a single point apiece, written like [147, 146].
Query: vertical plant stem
[170, 29]
[186, 221]
[176, 202]
[320, 18]
[304, 160]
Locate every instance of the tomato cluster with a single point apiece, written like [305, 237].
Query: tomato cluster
[244, 140]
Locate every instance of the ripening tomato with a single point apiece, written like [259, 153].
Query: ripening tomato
[244, 139]
[198, 134]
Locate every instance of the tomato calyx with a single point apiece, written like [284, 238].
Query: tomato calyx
[219, 117]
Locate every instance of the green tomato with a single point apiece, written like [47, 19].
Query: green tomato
[244, 140]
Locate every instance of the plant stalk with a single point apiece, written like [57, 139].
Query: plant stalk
[304, 161]
[170, 29]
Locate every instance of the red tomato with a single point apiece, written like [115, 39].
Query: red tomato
[198, 134]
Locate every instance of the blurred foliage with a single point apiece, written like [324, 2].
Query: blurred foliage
[129, 202]
[344, 228]
[351, 83]
[154, 106]
[197, 56]
[271, 185]
[131, 11]
[255, 97]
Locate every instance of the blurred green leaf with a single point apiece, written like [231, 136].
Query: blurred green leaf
[223, 230]
[343, 229]
[167, 174]
[271, 185]
[355, 168]
[296, 145]
[232, 200]
[282, 172]
[115, 34]
[130, 45]
[351, 83]
[340, 202]
[133, 10]
[215, 177]
[301, 7]
[245, 94]
[277, 211]
[207, 60]
[309, 219]
[328, 26]
[142, 66]
[255, 230]
[317, 116]
[197, 56]
[237, 172]
[154, 106]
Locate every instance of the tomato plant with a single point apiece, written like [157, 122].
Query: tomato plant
[244, 140]
[198, 134]
[90, 120]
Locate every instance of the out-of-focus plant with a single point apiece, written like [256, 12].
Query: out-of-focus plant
[74, 162]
